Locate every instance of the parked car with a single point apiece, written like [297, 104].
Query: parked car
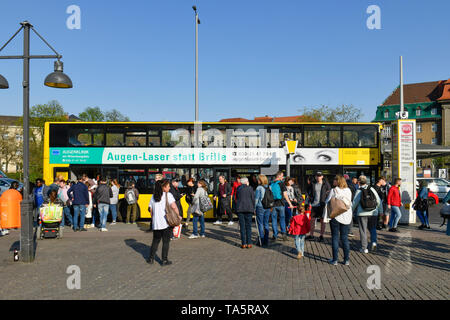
[438, 186]
[2, 174]
[5, 184]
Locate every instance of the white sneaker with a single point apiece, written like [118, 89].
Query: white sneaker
[193, 236]
[113, 223]
[103, 229]
[202, 236]
[92, 225]
[4, 232]
[218, 222]
[363, 250]
[230, 223]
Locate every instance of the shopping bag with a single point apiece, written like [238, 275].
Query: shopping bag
[177, 231]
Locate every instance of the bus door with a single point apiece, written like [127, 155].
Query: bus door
[62, 173]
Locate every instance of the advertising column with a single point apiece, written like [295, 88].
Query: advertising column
[404, 165]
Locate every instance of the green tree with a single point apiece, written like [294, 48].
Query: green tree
[92, 114]
[39, 115]
[115, 116]
[343, 113]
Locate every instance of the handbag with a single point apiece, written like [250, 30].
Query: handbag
[172, 217]
[205, 204]
[338, 207]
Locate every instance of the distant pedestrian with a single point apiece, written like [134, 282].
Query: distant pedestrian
[101, 200]
[367, 206]
[161, 230]
[421, 205]
[288, 212]
[80, 195]
[262, 215]
[245, 208]
[62, 194]
[234, 187]
[190, 193]
[132, 197]
[394, 204]
[54, 186]
[320, 191]
[175, 191]
[197, 213]
[90, 210]
[380, 188]
[300, 226]
[340, 224]
[115, 187]
[222, 195]
[40, 194]
[280, 197]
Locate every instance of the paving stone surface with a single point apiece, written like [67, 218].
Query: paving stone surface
[414, 264]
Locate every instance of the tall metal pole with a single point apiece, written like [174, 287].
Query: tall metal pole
[196, 66]
[26, 108]
[26, 206]
[402, 105]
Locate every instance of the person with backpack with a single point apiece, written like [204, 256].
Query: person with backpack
[245, 208]
[197, 210]
[320, 191]
[394, 204]
[340, 202]
[132, 197]
[421, 206]
[223, 194]
[368, 206]
[280, 195]
[263, 205]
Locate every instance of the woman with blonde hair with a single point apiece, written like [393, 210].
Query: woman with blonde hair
[115, 187]
[340, 225]
[197, 213]
[262, 214]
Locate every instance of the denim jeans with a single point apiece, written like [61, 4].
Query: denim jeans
[113, 209]
[300, 243]
[262, 219]
[423, 216]
[79, 210]
[103, 210]
[66, 214]
[287, 214]
[396, 214]
[195, 220]
[340, 231]
[278, 211]
[245, 223]
[367, 224]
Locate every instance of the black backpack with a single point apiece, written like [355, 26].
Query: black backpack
[368, 199]
[268, 201]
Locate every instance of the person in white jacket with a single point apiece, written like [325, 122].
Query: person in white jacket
[340, 225]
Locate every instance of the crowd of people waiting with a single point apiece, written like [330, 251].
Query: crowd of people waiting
[341, 204]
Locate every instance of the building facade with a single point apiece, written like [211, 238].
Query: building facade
[429, 104]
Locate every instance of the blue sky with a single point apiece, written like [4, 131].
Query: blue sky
[256, 57]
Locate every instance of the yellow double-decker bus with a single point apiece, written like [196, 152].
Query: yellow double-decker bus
[137, 151]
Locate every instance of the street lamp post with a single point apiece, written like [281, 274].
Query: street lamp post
[56, 79]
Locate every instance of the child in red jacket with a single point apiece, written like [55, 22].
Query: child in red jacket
[300, 226]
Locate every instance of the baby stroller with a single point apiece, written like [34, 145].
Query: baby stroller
[51, 216]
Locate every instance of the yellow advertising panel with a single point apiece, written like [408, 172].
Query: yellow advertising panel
[358, 156]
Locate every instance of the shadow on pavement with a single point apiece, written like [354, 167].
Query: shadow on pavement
[139, 247]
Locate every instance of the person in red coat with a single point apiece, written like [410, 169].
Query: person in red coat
[299, 226]
[394, 201]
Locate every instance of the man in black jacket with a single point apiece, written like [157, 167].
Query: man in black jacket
[101, 199]
[380, 188]
[223, 194]
[245, 208]
[320, 190]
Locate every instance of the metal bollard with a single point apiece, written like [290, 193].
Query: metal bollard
[27, 231]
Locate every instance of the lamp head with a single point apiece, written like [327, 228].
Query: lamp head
[194, 7]
[3, 83]
[58, 79]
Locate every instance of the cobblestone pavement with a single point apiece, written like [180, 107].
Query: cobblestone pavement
[414, 265]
